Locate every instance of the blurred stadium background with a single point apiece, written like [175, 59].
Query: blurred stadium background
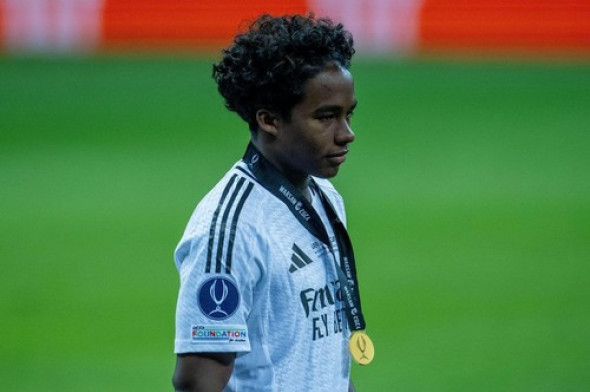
[468, 188]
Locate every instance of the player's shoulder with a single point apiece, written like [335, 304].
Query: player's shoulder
[229, 210]
[237, 190]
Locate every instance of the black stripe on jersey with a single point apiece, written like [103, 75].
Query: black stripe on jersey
[299, 259]
[214, 222]
[221, 241]
[297, 263]
[234, 224]
[246, 172]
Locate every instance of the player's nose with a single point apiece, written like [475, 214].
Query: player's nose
[345, 134]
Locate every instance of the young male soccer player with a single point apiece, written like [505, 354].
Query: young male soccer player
[268, 298]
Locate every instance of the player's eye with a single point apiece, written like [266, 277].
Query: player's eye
[326, 117]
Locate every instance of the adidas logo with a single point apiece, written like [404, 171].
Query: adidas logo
[298, 259]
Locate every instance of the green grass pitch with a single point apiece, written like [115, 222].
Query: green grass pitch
[468, 193]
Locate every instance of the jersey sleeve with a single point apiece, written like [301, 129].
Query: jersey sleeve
[217, 260]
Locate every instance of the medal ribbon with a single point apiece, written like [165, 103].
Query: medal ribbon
[277, 184]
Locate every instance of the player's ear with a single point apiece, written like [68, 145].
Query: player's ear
[267, 121]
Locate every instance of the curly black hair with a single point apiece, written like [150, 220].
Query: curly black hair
[267, 66]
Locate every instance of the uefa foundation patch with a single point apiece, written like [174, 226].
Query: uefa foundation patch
[218, 334]
[218, 298]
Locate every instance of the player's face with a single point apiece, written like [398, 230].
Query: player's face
[314, 141]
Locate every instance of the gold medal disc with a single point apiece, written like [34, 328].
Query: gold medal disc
[361, 347]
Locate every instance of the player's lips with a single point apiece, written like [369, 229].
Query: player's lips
[338, 157]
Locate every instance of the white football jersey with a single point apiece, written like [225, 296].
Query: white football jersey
[255, 281]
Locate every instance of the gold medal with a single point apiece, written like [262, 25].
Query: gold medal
[361, 347]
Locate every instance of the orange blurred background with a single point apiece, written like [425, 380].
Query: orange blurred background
[385, 26]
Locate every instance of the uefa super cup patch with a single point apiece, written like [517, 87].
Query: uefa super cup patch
[218, 297]
[218, 334]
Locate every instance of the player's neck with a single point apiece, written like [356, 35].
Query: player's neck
[300, 180]
[304, 188]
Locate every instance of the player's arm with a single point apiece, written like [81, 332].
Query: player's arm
[202, 372]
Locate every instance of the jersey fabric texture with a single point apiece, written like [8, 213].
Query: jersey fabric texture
[254, 281]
